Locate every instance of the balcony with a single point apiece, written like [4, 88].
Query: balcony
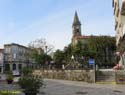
[123, 8]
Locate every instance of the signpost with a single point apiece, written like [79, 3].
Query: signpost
[92, 62]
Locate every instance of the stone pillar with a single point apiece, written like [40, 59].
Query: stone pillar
[11, 66]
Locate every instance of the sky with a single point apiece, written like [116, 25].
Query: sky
[22, 21]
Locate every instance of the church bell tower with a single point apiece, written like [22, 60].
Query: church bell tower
[76, 26]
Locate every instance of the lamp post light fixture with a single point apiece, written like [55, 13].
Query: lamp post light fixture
[72, 57]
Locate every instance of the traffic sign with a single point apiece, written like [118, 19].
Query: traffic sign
[91, 61]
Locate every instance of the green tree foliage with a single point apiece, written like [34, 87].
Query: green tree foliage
[103, 48]
[41, 58]
[40, 51]
[67, 53]
[58, 57]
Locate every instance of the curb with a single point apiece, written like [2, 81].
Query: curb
[113, 83]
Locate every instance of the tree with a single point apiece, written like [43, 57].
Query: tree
[40, 51]
[104, 48]
[58, 58]
[68, 52]
[41, 44]
[101, 48]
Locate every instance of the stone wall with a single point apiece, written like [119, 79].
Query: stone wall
[83, 75]
[120, 77]
[117, 76]
[76, 75]
[105, 76]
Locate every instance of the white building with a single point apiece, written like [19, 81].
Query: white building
[119, 14]
[16, 57]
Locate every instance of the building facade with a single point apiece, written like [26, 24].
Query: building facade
[16, 57]
[107, 54]
[1, 60]
[119, 14]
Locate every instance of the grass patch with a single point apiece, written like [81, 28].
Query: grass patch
[9, 92]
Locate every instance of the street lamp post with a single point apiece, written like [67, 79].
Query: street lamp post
[46, 55]
[82, 62]
[46, 49]
[72, 57]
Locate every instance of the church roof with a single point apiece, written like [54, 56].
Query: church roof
[83, 37]
[76, 19]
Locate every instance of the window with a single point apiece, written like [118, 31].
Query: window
[20, 66]
[14, 66]
[7, 67]
[7, 50]
[14, 55]
[0, 69]
[77, 27]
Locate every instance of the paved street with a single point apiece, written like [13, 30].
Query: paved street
[63, 87]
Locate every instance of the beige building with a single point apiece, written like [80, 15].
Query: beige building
[76, 30]
[119, 14]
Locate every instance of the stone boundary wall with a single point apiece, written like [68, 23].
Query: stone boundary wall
[75, 75]
[105, 76]
[120, 77]
[83, 75]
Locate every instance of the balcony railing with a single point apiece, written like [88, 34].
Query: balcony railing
[123, 8]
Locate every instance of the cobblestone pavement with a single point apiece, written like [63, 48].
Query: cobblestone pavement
[63, 87]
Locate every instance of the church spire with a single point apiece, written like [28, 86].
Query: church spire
[76, 20]
[76, 26]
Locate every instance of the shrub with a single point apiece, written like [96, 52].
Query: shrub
[9, 75]
[30, 83]
[26, 71]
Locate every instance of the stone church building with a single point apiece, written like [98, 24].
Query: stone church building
[107, 52]
[76, 28]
